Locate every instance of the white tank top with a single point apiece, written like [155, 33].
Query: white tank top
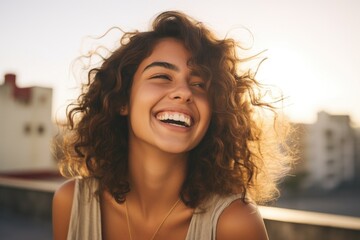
[85, 220]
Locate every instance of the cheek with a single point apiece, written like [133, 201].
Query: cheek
[205, 108]
[206, 115]
[142, 100]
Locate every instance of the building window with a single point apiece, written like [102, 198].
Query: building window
[42, 99]
[330, 162]
[41, 129]
[330, 146]
[27, 129]
[329, 134]
[329, 139]
[330, 176]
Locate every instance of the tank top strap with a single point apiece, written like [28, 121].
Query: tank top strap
[203, 223]
[85, 220]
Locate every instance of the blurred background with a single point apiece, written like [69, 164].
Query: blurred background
[312, 56]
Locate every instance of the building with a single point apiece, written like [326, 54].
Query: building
[357, 156]
[26, 129]
[327, 152]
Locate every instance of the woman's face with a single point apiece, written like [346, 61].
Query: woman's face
[169, 108]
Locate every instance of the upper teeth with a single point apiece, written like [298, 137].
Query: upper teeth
[175, 117]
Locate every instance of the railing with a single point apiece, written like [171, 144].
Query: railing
[310, 218]
[290, 224]
[37, 185]
[33, 198]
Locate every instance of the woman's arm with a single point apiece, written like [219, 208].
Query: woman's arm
[241, 221]
[61, 209]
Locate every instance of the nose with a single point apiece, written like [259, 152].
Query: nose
[182, 93]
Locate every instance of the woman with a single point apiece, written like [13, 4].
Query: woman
[165, 143]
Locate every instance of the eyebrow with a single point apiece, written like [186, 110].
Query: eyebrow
[162, 64]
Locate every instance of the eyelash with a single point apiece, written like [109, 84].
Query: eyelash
[162, 76]
[198, 84]
[201, 85]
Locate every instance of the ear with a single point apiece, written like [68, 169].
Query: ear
[124, 110]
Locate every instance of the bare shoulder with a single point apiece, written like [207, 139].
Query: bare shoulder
[65, 189]
[61, 209]
[241, 221]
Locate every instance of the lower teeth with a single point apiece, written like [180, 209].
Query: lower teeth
[176, 125]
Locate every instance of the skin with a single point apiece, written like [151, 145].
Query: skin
[158, 154]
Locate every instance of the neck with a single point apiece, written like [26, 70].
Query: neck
[156, 178]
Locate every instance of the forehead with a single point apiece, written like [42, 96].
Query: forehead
[168, 50]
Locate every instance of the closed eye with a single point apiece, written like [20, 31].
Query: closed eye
[198, 81]
[199, 84]
[161, 76]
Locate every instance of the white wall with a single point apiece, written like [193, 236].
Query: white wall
[331, 159]
[26, 131]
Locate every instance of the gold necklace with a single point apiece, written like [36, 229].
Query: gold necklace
[158, 228]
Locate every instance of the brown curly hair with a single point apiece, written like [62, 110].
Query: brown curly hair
[232, 157]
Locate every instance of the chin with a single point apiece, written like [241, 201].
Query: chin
[173, 149]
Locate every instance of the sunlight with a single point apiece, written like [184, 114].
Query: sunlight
[307, 217]
[287, 70]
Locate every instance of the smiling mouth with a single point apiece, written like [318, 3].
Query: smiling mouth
[175, 118]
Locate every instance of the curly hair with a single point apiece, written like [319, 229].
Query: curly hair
[233, 156]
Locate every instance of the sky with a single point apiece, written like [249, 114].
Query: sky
[313, 47]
